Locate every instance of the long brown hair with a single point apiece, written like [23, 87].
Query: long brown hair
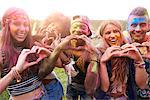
[119, 65]
[8, 43]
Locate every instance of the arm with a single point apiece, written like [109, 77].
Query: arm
[141, 75]
[20, 66]
[49, 62]
[92, 80]
[5, 81]
[104, 83]
[108, 54]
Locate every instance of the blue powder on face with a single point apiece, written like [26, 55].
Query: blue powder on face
[136, 21]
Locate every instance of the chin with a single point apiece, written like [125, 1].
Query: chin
[20, 40]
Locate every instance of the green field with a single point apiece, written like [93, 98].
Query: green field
[61, 75]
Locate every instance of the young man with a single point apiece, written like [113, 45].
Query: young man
[138, 26]
[81, 82]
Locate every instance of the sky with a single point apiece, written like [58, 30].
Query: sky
[94, 9]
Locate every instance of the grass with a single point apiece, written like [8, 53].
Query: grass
[61, 75]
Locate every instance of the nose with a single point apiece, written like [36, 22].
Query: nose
[112, 35]
[22, 28]
[137, 28]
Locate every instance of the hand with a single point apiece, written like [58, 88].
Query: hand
[41, 51]
[64, 44]
[147, 44]
[22, 64]
[136, 44]
[56, 41]
[114, 51]
[129, 50]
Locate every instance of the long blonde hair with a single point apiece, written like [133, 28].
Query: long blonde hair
[119, 65]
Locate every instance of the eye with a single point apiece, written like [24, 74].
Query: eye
[83, 27]
[116, 31]
[134, 25]
[26, 24]
[107, 33]
[16, 23]
[142, 25]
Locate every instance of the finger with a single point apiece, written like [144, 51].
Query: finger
[31, 64]
[128, 46]
[39, 59]
[37, 43]
[136, 44]
[114, 48]
[34, 49]
[43, 49]
[24, 51]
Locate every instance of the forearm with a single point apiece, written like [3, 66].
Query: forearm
[5, 81]
[48, 63]
[104, 77]
[141, 76]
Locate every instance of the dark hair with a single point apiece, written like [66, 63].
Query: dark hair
[139, 11]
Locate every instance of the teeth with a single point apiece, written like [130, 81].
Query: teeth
[113, 41]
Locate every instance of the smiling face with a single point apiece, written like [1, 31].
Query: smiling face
[19, 27]
[137, 27]
[112, 35]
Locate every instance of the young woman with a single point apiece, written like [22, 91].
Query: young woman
[54, 27]
[21, 81]
[121, 65]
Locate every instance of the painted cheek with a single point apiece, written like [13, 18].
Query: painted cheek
[118, 36]
[13, 29]
[27, 29]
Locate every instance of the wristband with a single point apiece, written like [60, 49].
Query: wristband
[140, 65]
[16, 74]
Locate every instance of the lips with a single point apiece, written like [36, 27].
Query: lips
[21, 35]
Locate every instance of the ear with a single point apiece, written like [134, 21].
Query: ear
[148, 30]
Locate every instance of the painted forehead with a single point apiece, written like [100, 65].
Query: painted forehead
[21, 16]
[137, 19]
[79, 24]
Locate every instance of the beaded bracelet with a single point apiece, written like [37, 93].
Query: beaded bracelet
[16, 74]
[140, 65]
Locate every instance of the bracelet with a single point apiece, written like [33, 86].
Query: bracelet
[140, 65]
[95, 61]
[16, 74]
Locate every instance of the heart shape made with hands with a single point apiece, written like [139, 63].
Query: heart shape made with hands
[121, 51]
[38, 55]
[78, 41]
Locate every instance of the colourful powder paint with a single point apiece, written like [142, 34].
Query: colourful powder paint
[136, 21]
[127, 37]
[119, 38]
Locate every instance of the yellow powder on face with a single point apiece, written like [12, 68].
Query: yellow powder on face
[119, 40]
[74, 43]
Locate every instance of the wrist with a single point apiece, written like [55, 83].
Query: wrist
[16, 74]
[140, 64]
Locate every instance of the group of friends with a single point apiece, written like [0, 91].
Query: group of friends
[116, 68]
